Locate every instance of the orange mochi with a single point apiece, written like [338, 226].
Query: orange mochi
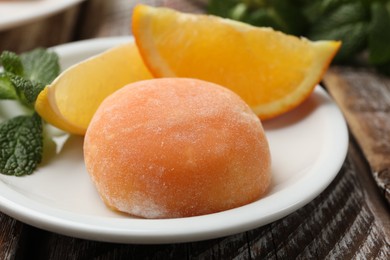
[176, 147]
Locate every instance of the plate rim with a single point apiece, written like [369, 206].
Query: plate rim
[16, 20]
[141, 233]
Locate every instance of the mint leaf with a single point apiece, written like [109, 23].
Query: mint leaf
[379, 36]
[222, 8]
[281, 15]
[353, 37]
[319, 10]
[28, 90]
[342, 16]
[21, 145]
[288, 15]
[7, 90]
[28, 74]
[40, 65]
[11, 63]
[348, 23]
[23, 78]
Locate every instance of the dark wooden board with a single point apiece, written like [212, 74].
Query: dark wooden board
[340, 223]
[10, 236]
[364, 97]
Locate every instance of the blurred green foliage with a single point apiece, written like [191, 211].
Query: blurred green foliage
[363, 26]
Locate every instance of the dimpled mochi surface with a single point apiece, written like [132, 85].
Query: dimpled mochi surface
[176, 147]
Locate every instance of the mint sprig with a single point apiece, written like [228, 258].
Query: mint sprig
[21, 145]
[27, 90]
[11, 63]
[22, 78]
[379, 36]
[7, 90]
[348, 23]
[40, 66]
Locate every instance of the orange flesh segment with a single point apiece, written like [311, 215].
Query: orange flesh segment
[273, 72]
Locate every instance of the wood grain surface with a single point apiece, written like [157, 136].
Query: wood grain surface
[349, 220]
[364, 97]
[10, 236]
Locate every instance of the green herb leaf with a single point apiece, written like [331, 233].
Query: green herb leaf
[28, 74]
[222, 8]
[343, 16]
[21, 138]
[281, 15]
[7, 90]
[348, 23]
[11, 62]
[21, 145]
[28, 90]
[320, 10]
[40, 65]
[379, 36]
[353, 38]
[288, 16]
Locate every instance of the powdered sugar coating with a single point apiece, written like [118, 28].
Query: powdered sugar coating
[176, 147]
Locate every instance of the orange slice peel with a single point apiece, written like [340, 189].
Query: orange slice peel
[273, 72]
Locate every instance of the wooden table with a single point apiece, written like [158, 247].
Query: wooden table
[349, 220]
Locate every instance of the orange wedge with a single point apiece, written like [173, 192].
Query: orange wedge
[273, 72]
[72, 99]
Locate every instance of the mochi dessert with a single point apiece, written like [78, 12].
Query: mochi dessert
[176, 147]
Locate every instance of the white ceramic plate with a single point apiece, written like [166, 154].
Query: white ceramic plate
[16, 12]
[308, 147]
